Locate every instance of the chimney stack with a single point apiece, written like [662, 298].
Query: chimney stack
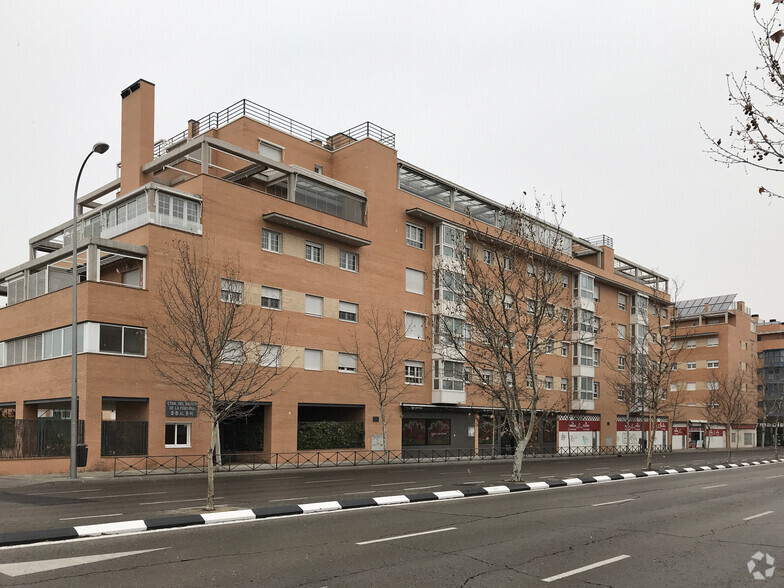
[138, 118]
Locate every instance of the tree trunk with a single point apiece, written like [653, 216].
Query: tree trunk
[517, 466]
[383, 429]
[727, 442]
[651, 438]
[211, 469]
[776, 439]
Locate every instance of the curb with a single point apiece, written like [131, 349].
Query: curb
[173, 522]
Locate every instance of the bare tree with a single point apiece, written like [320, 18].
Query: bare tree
[381, 360]
[212, 345]
[506, 293]
[773, 414]
[756, 136]
[648, 384]
[729, 402]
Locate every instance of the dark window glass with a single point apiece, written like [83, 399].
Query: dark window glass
[133, 341]
[111, 339]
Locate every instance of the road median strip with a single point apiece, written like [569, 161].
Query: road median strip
[172, 522]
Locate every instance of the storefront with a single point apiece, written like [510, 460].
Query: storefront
[578, 432]
[630, 434]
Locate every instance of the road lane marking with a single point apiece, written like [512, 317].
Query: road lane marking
[116, 514]
[714, 486]
[176, 501]
[585, 568]
[762, 514]
[284, 499]
[47, 565]
[331, 480]
[614, 502]
[421, 488]
[406, 536]
[361, 492]
[393, 484]
[64, 492]
[779, 476]
[123, 495]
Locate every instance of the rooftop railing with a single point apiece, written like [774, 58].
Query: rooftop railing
[275, 120]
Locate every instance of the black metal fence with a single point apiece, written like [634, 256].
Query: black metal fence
[37, 438]
[178, 464]
[123, 438]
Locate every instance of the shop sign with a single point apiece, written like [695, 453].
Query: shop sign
[579, 426]
[181, 408]
[679, 430]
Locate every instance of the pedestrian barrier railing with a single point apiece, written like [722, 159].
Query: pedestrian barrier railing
[229, 462]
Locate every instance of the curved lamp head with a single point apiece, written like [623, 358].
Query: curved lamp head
[100, 148]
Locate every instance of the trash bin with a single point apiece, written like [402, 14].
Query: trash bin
[81, 455]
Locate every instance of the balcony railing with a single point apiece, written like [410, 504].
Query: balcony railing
[275, 120]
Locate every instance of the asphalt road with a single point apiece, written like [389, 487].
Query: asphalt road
[44, 503]
[697, 529]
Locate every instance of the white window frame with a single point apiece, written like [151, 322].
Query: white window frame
[349, 261]
[274, 291]
[414, 373]
[415, 236]
[413, 279]
[412, 326]
[713, 364]
[348, 309]
[271, 240]
[713, 341]
[314, 305]
[691, 365]
[622, 332]
[311, 357]
[487, 256]
[177, 426]
[623, 301]
[231, 291]
[548, 382]
[621, 362]
[269, 355]
[233, 352]
[347, 363]
[691, 343]
[314, 252]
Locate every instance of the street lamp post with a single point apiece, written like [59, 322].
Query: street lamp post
[97, 148]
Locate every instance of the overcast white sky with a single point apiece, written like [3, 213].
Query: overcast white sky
[596, 103]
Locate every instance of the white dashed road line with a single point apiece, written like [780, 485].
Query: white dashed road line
[714, 486]
[406, 536]
[756, 516]
[116, 514]
[613, 502]
[585, 568]
[393, 484]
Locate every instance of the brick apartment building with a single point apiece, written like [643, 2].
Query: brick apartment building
[324, 227]
[770, 378]
[718, 337]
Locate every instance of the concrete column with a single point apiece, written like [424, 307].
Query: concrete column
[92, 263]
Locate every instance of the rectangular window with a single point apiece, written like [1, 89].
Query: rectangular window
[467, 375]
[622, 331]
[508, 263]
[713, 341]
[415, 373]
[270, 298]
[596, 292]
[313, 359]
[487, 256]
[415, 281]
[314, 305]
[270, 241]
[232, 352]
[586, 286]
[449, 286]
[112, 339]
[349, 261]
[269, 356]
[415, 326]
[595, 390]
[564, 385]
[713, 364]
[415, 236]
[691, 365]
[621, 362]
[596, 353]
[448, 375]
[177, 435]
[347, 363]
[231, 291]
[487, 377]
[691, 344]
[427, 432]
[712, 385]
[347, 311]
[621, 391]
[314, 252]
[548, 382]
[508, 301]
[691, 387]
[622, 301]
[564, 349]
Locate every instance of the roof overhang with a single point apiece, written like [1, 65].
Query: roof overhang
[314, 229]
